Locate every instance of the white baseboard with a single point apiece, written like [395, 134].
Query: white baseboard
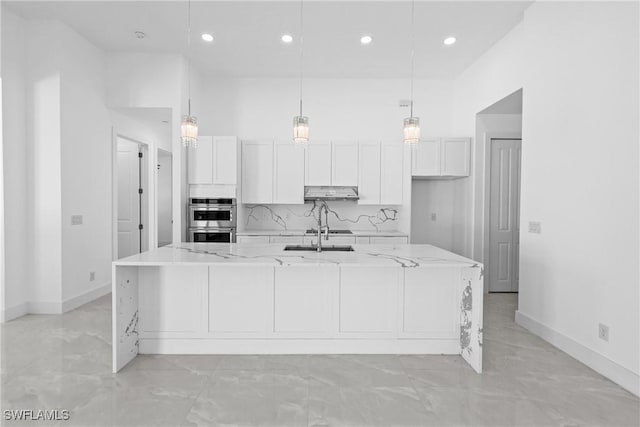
[596, 361]
[13, 312]
[44, 307]
[55, 307]
[75, 302]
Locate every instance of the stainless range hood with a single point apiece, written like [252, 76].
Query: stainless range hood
[330, 193]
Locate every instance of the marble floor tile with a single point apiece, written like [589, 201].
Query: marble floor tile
[251, 398]
[365, 406]
[64, 361]
[357, 370]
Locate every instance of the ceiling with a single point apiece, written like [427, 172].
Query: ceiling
[247, 33]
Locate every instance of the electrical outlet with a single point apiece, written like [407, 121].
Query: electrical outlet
[603, 332]
[92, 276]
[535, 227]
[76, 219]
[433, 217]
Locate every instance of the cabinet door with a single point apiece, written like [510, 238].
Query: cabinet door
[201, 161]
[369, 173]
[318, 164]
[225, 160]
[391, 176]
[296, 240]
[288, 182]
[386, 240]
[252, 239]
[344, 164]
[455, 157]
[241, 300]
[425, 159]
[257, 172]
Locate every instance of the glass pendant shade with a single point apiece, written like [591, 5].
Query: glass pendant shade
[301, 129]
[189, 131]
[411, 130]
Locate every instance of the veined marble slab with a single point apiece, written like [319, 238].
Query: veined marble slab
[366, 233]
[402, 255]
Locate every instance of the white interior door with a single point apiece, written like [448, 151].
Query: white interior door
[129, 201]
[504, 232]
[165, 203]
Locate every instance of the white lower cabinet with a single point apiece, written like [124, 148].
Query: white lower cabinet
[286, 239]
[302, 301]
[384, 240]
[241, 300]
[367, 301]
[252, 239]
[166, 307]
[429, 303]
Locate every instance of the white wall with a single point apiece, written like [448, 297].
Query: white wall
[580, 179]
[136, 80]
[43, 87]
[364, 109]
[85, 167]
[496, 74]
[579, 173]
[16, 270]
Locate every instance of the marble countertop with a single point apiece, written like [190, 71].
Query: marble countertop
[303, 232]
[401, 255]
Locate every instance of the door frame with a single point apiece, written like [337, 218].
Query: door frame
[486, 250]
[148, 207]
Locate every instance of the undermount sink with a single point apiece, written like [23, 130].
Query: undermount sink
[314, 231]
[328, 248]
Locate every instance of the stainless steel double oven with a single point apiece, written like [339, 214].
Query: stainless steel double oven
[212, 220]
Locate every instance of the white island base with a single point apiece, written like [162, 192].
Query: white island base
[258, 299]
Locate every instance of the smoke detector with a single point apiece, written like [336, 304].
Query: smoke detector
[140, 34]
[404, 103]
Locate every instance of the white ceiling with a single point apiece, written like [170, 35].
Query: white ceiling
[248, 33]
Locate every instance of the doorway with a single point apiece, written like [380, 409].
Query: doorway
[504, 214]
[131, 197]
[164, 198]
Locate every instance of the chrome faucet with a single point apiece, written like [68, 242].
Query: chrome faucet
[321, 227]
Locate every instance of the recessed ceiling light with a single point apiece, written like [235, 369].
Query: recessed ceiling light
[287, 38]
[207, 37]
[449, 41]
[140, 34]
[366, 39]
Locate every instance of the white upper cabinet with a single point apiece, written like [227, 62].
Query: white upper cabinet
[455, 157]
[344, 170]
[257, 172]
[201, 161]
[225, 160]
[426, 158]
[369, 173]
[441, 157]
[288, 182]
[318, 164]
[213, 161]
[391, 173]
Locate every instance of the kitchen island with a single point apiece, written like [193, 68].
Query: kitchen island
[202, 298]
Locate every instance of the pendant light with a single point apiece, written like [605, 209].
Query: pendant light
[300, 122]
[411, 131]
[189, 125]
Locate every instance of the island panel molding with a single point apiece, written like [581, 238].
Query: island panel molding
[198, 298]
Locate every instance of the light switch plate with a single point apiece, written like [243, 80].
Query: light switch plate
[535, 227]
[76, 219]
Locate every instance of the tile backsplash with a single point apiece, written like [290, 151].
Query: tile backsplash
[342, 215]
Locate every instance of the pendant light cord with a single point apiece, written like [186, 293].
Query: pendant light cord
[413, 42]
[301, 50]
[189, 57]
